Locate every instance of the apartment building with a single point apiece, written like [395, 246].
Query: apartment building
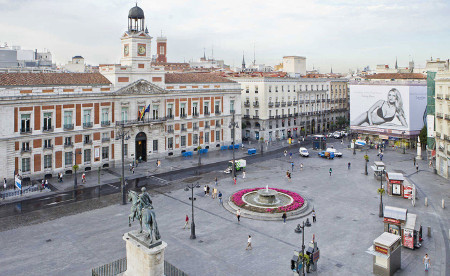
[442, 121]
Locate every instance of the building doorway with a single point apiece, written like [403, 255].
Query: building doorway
[141, 146]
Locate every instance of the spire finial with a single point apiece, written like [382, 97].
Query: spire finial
[396, 66]
[243, 60]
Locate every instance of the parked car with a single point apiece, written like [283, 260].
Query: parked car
[336, 153]
[337, 135]
[329, 135]
[303, 152]
[344, 134]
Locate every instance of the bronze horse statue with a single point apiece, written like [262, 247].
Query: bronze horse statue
[144, 213]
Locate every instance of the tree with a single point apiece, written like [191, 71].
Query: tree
[423, 137]
[341, 121]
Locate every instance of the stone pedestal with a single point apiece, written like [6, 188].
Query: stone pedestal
[143, 258]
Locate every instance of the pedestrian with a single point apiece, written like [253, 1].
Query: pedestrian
[204, 188]
[220, 197]
[417, 167]
[285, 153]
[249, 243]
[287, 174]
[349, 164]
[243, 174]
[290, 155]
[314, 215]
[331, 170]
[132, 170]
[43, 183]
[292, 165]
[186, 223]
[4, 183]
[61, 178]
[414, 159]
[207, 190]
[131, 166]
[381, 157]
[284, 216]
[159, 163]
[214, 192]
[215, 181]
[238, 215]
[426, 261]
[234, 179]
[83, 177]
[289, 177]
[46, 184]
[301, 166]
[342, 141]
[431, 163]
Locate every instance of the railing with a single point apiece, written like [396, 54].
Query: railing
[111, 269]
[289, 103]
[24, 150]
[277, 104]
[183, 115]
[247, 104]
[439, 115]
[278, 116]
[255, 104]
[295, 102]
[283, 104]
[48, 147]
[313, 101]
[290, 115]
[439, 96]
[206, 126]
[47, 129]
[246, 116]
[194, 114]
[255, 117]
[195, 128]
[302, 102]
[88, 142]
[66, 145]
[137, 122]
[87, 125]
[169, 117]
[26, 189]
[183, 129]
[217, 112]
[206, 113]
[105, 123]
[295, 114]
[170, 130]
[105, 139]
[271, 104]
[26, 130]
[218, 125]
[284, 116]
[68, 126]
[447, 97]
[271, 117]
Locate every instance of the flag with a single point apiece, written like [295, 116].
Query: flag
[141, 113]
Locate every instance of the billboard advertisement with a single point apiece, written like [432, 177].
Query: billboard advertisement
[396, 109]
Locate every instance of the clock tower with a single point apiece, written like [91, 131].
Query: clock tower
[136, 42]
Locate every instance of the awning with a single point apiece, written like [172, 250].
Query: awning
[395, 213]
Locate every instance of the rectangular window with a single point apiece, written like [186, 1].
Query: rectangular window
[183, 141]
[87, 139]
[206, 108]
[124, 114]
[47, 143]
[195, 138]
[25, 164]
[125, 150]
[87, 116]
[105, 153]
[155, 112]
[26, 146]
[68, 160]
[105, 136]
[270, 88]
[231, 106]
[256, 89]
[25, 125]
[48, 161]
[247, 89]
[155, 145]
[217, 107]
[206, 137]
[68, 141]
[105, 115]
[87, 156]
[68, 123]
[170, 110]
[47, 121]
[182, 109]
[170, 143]
[194, 109]
[218, 135]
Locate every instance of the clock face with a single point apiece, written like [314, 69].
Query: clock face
[126, 50]
[141, 50]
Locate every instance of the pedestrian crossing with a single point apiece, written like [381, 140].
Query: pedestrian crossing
[158, 180]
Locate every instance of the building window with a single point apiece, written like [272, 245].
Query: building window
[105, 115]
[206, 108]
[231, 106]
[217, 135]
[25, 123]
[48, 161]
[47, 143]
[47, 121]
[124, 114]
[247, 89]
[170, 143]
[155, 145]
[87, 116]
[87, 139]
[68, 141]
[155, 112]
[206, 137]
[105, 136]
[195, 139]
[183, 141]
[68, 158]
[25, 164]
[87, 156]
[170, 110]
[276, 88]
[256, 89]
[270, 88]
[68, 119]
[217, 107]
[105, 153]
[26, 146]
[183, 109]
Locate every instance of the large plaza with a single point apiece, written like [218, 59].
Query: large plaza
[346, 204]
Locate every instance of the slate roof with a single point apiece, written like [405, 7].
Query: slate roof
[195, 78]
[52, 79]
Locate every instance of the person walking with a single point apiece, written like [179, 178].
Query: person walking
[132, 170]
[243, 174]
[426, 261]
[220, 197]
[234, 179]
[289, 176]
[284, 216]
[131, 166]
[83, 177]
[214, 192]
[417, 167]
[4, 183]
[414, 159]
[61, 178]
[285, 153]
[301, 166]
[292, 165]
[331, 170]
[207, 190]
[215, 181]
[349, 164]
[46, 184]
[249, 243]
[204, 189]
[238, 215]
[290, 155]
[186, 223]
[314, 215]
[381, 157]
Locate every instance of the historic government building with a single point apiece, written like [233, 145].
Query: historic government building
[52, 121]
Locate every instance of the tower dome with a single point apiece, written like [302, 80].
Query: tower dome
[136, 13]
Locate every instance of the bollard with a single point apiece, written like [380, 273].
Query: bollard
[449, 234]
[426, 201]
[443, 203]
[429, 231]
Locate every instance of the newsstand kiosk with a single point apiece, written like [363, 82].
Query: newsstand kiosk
[387, 254]
[394, 183]
[399, 222]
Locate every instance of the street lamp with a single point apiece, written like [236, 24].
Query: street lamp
[404, 145]
[75, 168]
[381, 191]
[233, 125]
[122, 135]
[192, 198]
[200, 138]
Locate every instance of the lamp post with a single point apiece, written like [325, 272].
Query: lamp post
[380, 213]
[200, 137]
[75, 168]
[404, 145]
[122, 135]
[233, 125]
[192, 198]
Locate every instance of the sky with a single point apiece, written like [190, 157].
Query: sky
[342, 34]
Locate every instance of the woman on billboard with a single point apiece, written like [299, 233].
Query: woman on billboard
[384, 111]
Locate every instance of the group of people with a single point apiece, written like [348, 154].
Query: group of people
[215, 192]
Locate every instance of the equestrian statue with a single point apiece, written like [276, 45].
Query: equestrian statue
[142, 209]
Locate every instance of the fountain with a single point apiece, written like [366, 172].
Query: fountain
[267, 197]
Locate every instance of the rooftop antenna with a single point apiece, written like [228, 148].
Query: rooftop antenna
[204, 53]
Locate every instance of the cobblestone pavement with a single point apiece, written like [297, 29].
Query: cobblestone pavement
[346, 205]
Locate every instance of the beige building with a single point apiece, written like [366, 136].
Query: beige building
[442, 135]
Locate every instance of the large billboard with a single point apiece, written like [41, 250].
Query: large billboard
[388, 109]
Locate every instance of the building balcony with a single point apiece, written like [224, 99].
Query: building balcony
[170, 117]
[48, 147]
[271, 117]
[105, 139]
[312, 101]
[68, 126]
[218, 125]
[140, 122]
[217, 112]
[284, 116]
[290, 115]
[170, 130]
[302, 102]
[88, 142]
[183, 115]
[26, 130]
[278, 116]
[247, 104]
[246, 116]
[105, 123]
[439, 96]
[255, 117]
[87, 125]
[255, 104]
[306, 101]
[68, 145]
[277, 104]
[47, 129]
[207, 126]
[447, 97]
[195, 127]
[289, 103]
[295, 103]
[270, 104]
[296, 114]
[25, 150]
[283, 104]
[195, 114]
[183, 129]
[447, 117]
[439, 115]
[206, 113]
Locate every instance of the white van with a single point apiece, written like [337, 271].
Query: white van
[303, 152]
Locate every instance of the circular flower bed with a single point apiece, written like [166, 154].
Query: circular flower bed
[297, 202]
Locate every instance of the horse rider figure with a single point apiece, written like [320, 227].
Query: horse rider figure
[144, 200]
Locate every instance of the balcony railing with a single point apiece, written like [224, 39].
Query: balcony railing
[302, 102]
[217, 112]
[183, 129]
[139, 122]
[439, 115]
[169, 117]
[289, 103]
[255, 104]
[290, 115]
[24, 150]
[206, 113]
[105, 123]
[47, 129]
[283, 104]
[247, 104]
[255, 117]
[183, 115]
[439, 96]
[277, 104]
[26, 130]
[295, 114]
[295, 102]
[195, 127]
[271, 117]
[278, 116]
[170, 130]
[48, 147]
[218, 125]
[271, 104]
[87, 125]
[206, 126]
[68, 145]
[105, 139]
[447, 117]
[68, 126]
[194, 114]
[246, 116]
[88, 142]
